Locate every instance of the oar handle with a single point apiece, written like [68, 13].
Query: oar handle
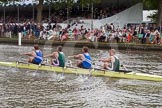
[70, 56]
[124, 67]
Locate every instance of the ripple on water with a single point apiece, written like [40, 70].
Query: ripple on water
[21, 88]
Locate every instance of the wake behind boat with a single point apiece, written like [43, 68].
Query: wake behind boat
[93, 72]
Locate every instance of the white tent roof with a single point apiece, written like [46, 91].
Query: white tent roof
[130, 15]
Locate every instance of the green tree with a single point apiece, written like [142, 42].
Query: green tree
[155, 4]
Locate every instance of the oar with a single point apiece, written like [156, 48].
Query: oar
[46, 61]
[70, 57]
[69, 63]
[63, 72]
[90, 72]
[39, 65]
[18, 60]
[124, 67]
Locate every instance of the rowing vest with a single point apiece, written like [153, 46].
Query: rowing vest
[39, 56]
[61, 59]
[87, 62]
[115, 65]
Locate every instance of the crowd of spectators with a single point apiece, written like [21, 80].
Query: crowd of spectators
[27, 29]
[137, 33]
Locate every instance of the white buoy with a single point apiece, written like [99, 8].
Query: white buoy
[19, 39]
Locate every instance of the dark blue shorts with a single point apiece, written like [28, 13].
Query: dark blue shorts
[35, 62]
[82, 66]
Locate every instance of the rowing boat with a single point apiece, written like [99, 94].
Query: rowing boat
[93, 72]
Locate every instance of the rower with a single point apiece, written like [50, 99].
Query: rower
[36, 56]
[58, 57]
[84, 59]
[112, 62]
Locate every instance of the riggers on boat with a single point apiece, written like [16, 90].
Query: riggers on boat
[93, 72]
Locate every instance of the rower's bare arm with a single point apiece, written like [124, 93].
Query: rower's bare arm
[78, 56]
[48, 55]
[106, 60]
[53, 55]
[75, 56]
[28, 54]
[70, 57]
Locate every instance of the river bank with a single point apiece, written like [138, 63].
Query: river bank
[100, 45]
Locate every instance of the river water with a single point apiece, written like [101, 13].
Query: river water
[21, 88]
